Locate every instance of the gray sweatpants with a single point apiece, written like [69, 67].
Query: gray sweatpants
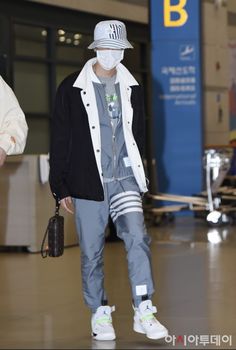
[123, 202]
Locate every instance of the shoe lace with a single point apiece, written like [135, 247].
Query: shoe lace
[148, 317]
[104, 320]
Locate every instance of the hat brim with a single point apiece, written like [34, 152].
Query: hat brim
[111, 44]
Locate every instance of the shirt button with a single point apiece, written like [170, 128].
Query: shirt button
[84, 92]
[93, 127]
[139, 166]
[98, 150]
[87, 104]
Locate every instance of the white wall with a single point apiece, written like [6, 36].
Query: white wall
[215, 74]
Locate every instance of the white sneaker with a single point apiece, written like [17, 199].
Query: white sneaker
[101, 322]
[146, 323]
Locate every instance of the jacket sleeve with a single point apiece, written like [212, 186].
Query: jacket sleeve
[13, 126]
[59, 144]
[141, 124]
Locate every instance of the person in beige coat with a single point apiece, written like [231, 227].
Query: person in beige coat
[13, 126]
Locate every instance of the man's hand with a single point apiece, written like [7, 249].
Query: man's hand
[67, 204]
[3, 156]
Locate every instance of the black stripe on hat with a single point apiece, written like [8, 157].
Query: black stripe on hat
[116, 31]
[120, 31]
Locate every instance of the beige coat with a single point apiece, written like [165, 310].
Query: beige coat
[13, 127]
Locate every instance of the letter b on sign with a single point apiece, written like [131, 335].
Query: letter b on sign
[179, 9]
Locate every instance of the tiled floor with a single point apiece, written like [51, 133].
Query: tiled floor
[194, 268]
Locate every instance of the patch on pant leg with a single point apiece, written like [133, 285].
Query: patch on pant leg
[127, 162]
[141, 290]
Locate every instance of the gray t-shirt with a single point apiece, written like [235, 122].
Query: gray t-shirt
[113, 106]
[114, 157]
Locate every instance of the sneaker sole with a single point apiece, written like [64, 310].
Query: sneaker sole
[156, 336]
[138, 329]
[108, 336]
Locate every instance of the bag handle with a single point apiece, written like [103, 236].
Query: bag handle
[44, 251]
[57, 207]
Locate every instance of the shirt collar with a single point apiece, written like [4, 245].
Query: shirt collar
[87, 74]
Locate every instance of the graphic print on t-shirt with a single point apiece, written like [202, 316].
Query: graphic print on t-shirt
[113, 107]
[112, 100]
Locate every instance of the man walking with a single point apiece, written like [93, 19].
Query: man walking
[97, 139]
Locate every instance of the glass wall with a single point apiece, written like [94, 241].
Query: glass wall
[30, 41]
[71, 52]
[31, 83]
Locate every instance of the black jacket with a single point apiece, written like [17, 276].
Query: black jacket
[73, 168]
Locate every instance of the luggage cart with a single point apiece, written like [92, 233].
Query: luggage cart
[216, 164]
[210, 203]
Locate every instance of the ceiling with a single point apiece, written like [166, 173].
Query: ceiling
[135, 2]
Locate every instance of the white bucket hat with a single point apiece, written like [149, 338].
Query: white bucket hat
[111, 35]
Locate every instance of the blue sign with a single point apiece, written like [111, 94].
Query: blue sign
[177, 105]
[175, 19]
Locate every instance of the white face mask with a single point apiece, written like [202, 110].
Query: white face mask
[109, 59]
